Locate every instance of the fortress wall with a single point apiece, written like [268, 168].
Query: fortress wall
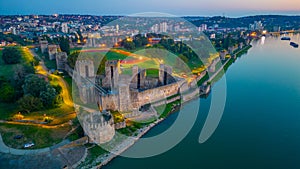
[190, 95]
[156, 94]
[110, 102]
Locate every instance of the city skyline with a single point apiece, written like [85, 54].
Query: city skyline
[231, 8]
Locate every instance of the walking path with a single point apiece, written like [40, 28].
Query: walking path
[42, 69]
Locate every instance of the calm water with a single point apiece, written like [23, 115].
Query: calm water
[260, 127]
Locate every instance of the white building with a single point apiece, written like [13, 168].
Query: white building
[117, 28]
[163, 27]
[64, 28]
[256, 26]
[177, 28]
[155, 28]
[202, 27]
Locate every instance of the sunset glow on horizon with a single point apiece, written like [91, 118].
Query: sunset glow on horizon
[176, 7]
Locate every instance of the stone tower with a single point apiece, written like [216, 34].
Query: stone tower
[165, 73]
[124, 98]
[85, 79]
[138, 77]
[43, 45]
[61, 60]
[112, 73]
[99, 126]
[85, 68]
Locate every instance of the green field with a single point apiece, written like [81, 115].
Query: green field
[8, 70]
[116, 56]
[7, 110]
[41, 137]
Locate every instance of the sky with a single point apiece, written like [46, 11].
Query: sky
[231, 8]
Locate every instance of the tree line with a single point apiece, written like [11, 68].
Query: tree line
[31, 91]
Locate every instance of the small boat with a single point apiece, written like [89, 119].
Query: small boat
[285, 38]
[295, 45]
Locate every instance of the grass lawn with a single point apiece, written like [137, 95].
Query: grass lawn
[41, 137]
[58, 115]
[146, 65]
[7, 110]
[165, 110]
[152, 73]
[6, 70]
[116, 56]
[50, 64]
[93, 153]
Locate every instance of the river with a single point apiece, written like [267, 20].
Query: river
[260, 126]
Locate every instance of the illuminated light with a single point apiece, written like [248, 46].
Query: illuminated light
[129, 39]
[253, 34]
[264, 32]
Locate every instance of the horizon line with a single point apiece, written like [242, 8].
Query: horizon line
[130, 15]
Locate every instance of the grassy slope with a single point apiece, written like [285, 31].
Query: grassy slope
[42, 137]
[7, 109]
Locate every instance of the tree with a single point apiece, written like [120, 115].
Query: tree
[140, 41]
[7, 92]
[34, 85]
[48, 96]
[11, 55]
[58, 89]
[20, 72]
[72, 59]
[129, 45]
[29, 103]
[39, 88]
[64, 45]
[2, 80]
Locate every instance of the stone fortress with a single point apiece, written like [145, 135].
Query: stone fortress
[133, 95]
[126, 93]
[118, 92]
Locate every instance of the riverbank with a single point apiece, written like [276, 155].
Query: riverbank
[106, 158]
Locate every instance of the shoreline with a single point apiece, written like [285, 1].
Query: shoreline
[146, 129]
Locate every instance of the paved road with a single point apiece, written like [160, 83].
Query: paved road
[5, 149]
